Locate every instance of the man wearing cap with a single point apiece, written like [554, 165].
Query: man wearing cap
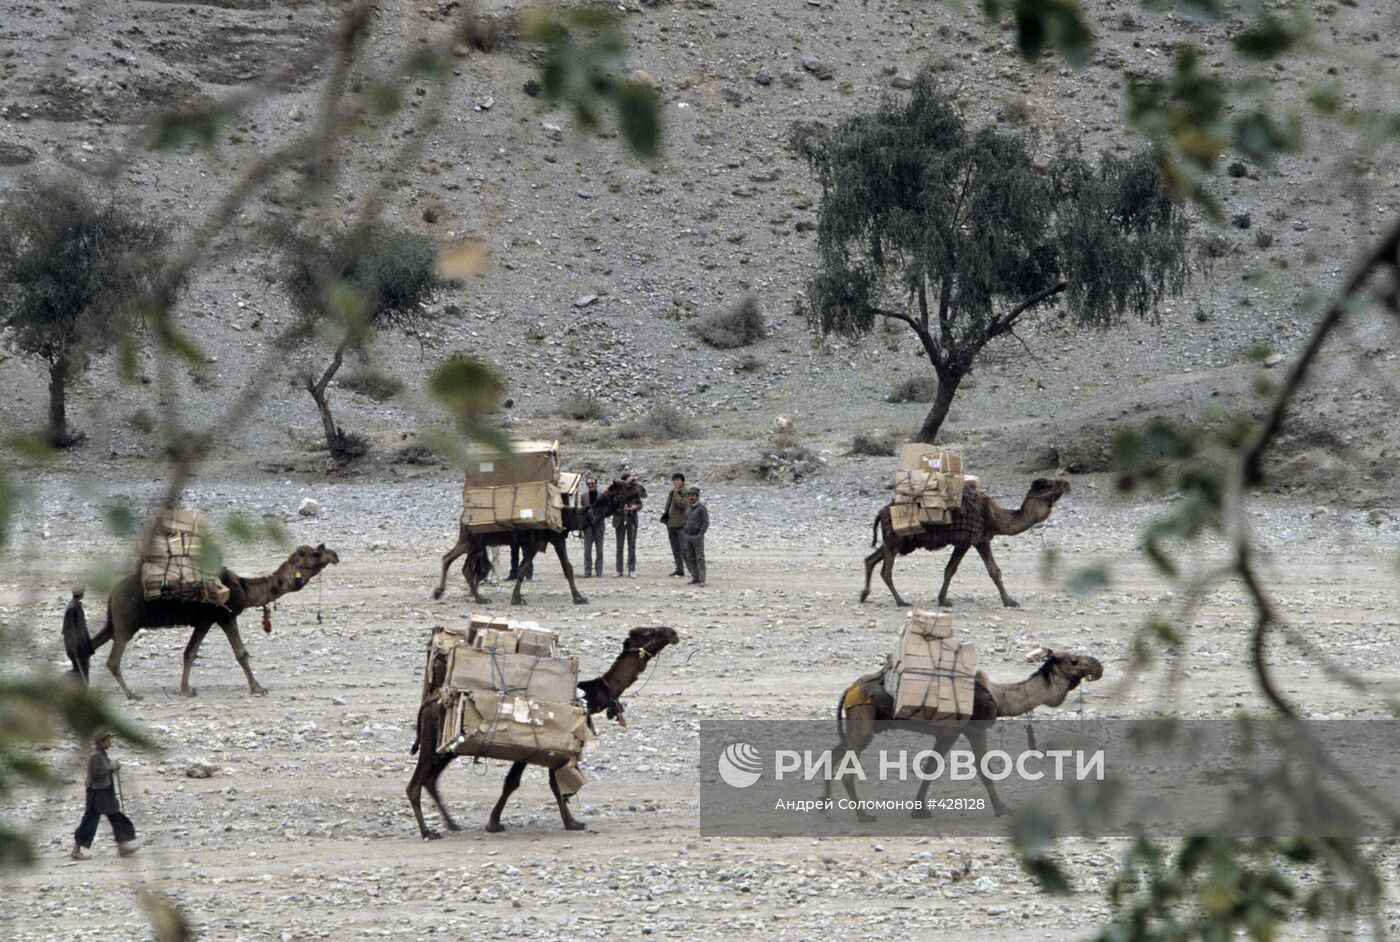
[592, 533]
[102, 799]
[677, 505]
[697, 521]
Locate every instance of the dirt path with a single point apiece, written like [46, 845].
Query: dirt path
[304, 832]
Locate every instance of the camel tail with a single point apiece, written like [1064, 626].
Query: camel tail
[875, 531]
[841, 717]
[77, 643]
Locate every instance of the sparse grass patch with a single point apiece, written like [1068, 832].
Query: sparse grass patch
[586, 408]
[873, 444]
[372, 384]
[663, 423]
[920, 388]
[748, 363]
[739, 326]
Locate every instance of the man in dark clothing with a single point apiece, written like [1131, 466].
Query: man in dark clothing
[673, 515]
[697, 521]
[102, 799]
[75, 635]
[625, 528]
[592, 535]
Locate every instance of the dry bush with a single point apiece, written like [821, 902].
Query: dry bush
[739, 326]
[921, 388]
[586, 408]
[663, 423]
[873, 444]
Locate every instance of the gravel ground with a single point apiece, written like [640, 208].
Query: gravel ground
[302, 831]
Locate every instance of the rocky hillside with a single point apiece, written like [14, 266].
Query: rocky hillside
[602, 267]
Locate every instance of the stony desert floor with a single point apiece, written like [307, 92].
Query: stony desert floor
[303, 831]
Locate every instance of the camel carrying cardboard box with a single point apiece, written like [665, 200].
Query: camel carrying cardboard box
[524, 675]
[516, 729]
[537, 505]
[931, 676]
[170, 561]
[528, 462]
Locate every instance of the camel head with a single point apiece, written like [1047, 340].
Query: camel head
[604, 694]
[1045, 491]
[1073, 666]
[611, 501]
[307, 561]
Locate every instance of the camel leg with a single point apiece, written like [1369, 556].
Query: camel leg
[439, 765]
[561, 550]
[447, 560]
[191, 651]
[887, 573]
[114, 664]
[511, 783]
[416, 782]
[871, 561]
[985, 551]
[954, 561]
[977, 738]
[240, 654]
[941, 744]
[527, 557]
[473, 579]
[860, 731]
[570, 822]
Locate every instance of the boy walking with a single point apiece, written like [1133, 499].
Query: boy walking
[673, 515]
[697, 521]
[102, 800]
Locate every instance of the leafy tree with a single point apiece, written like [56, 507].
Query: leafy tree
[959, 234]
[70, 268]
[362, 282]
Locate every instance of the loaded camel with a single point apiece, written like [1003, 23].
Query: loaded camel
[973, 527]
[477, 565]
[128, 611]
[866, 702]
[601, 695]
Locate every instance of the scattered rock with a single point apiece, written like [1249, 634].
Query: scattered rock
[309, 507]
[200, 768]
[817, 67]
[762, 77]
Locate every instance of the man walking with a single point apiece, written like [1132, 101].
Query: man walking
[625, 527]
[592, 533]
[102, 774]
[673, 515]
[697, 521]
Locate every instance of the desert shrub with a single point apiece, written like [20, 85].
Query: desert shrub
[586, 408]
[739, 326]
[372, 384]
[662, 423]
[749, 363]
[348, 446]
[873, 444]
[415, 454]
[915, 389]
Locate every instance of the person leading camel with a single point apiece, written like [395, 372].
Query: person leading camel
[602, 694]
[866, 702]
[128, 611]
[973, 526]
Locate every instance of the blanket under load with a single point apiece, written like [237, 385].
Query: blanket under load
[172, 561]
[928, 486]
[509, 694]
[931, 676]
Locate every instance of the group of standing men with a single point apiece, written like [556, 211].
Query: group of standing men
[686, 519]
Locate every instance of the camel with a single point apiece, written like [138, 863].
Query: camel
[601, 695]
[477, 565]
[865, 702]
[973, 527]
[128, 611]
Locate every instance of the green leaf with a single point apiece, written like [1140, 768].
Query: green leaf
[1268, 38]
[383, 98]
[639, 116]
[200, 128]
[1087, 581]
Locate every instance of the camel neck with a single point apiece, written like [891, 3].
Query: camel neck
[623, 673]
[262, 590]
[1011, 522]
[1046, 687]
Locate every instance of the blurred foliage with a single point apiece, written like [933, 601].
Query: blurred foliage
[470, 391]
[585, 51]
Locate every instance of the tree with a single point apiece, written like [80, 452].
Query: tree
[361, 282]
[70, 268]
[959, 234]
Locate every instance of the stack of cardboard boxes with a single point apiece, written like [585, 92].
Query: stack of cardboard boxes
[521, 491]
[928, 486]
[931, 675]
[511, 695]
[171, 561]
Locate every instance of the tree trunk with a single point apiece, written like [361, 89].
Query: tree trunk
[57, 434]
[318, 394]
[942, 401]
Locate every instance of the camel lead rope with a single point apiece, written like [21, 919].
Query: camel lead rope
[320, 583]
